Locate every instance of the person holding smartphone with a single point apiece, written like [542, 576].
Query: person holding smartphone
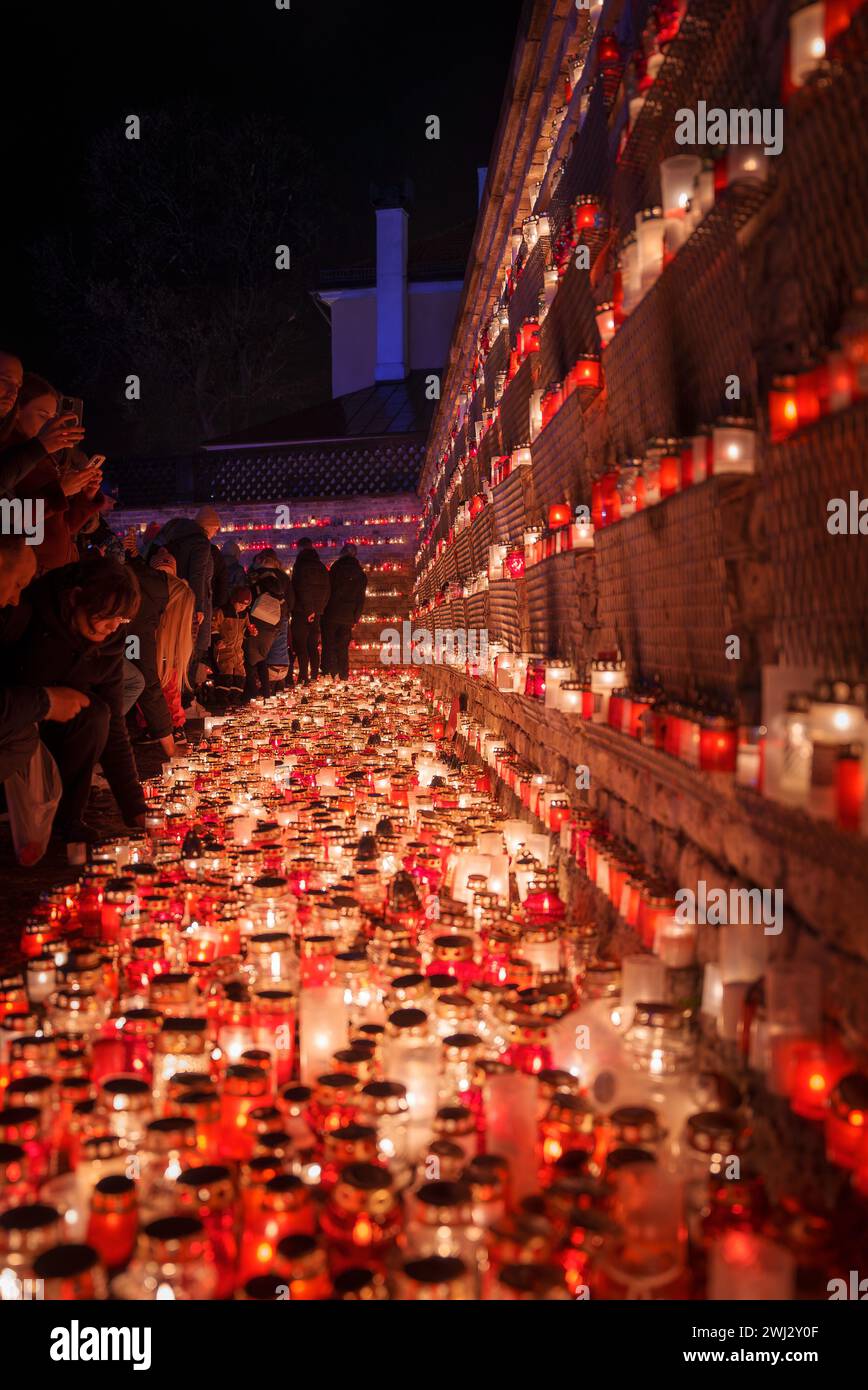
[67, 483]
[22, 450]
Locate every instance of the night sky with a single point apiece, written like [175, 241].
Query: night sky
[354, 79]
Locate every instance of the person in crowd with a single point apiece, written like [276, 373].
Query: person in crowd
[230, 625]
[23, 706]
[220, 579]
[190, 543]
[269, 614]
[19, 455]
[152, 709]
[69, 632]
[348, 585]
[68, 487]
[236, 575]
[96, 537]
[310, 582]
[175, 641]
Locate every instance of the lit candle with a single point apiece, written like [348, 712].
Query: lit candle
[747, 1267]
[322, 1029]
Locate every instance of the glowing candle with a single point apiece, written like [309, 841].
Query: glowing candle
[322, 1029]
[747, 1267]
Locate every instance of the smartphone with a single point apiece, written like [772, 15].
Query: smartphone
[72, 405]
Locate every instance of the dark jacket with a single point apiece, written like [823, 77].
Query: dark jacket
[279, 585]
[191, 548]
[20, 705]
[64, 516]
[348, 584]
[44, 650]
[310, 581]
[17, 456]
[155, 596]
[236, 575]
[220, 580]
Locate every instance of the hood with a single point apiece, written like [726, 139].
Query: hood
[178, 529]
[308, 557]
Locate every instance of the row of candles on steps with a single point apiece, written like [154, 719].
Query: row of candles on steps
[813, 755]
[769, 1011]
[688, 183]
[435, 1133]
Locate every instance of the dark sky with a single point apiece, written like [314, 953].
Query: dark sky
[355, 79]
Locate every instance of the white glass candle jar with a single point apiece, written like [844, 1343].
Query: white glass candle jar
[650, 228]
[556, 673]
[678, 176]
[807, 41]
[733, 447]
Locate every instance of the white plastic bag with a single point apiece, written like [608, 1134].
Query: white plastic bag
[32, 796]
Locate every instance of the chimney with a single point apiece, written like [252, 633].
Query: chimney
[481, 176]
[392, 307]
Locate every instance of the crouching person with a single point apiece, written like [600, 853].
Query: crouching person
[69, 631]
[27, 770]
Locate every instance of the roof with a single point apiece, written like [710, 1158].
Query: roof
[386, 408]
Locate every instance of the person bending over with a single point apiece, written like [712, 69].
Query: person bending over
[69, 631]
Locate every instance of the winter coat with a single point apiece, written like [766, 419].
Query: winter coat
[191, 548]
[154, 586]
[18, 456]
[220, 580]
[310, 581]
[63, 516]
[267, 581]
[44, 650]
[236, 575]
[347, 587]
[229, 629]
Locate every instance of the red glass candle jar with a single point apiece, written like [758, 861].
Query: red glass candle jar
[816, 1069]
[15, 1184]
[208, 1193]
[783, 408]
[849, 787]
[619, 702]
[283, 1208]
[114, 1220]
[529, 1049]
[559, 515]
[670, 469]
[301, 1261]
[334, 1103]
[635, 725]
[362, 1218]
[273, 1024]
[543, 904]
[568, 1126]
[317, 955]
[244, 1088]
[453, 955]
[847, 1122]
[718, 745]
[656, 906]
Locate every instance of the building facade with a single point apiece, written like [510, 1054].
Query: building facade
[655, 394]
